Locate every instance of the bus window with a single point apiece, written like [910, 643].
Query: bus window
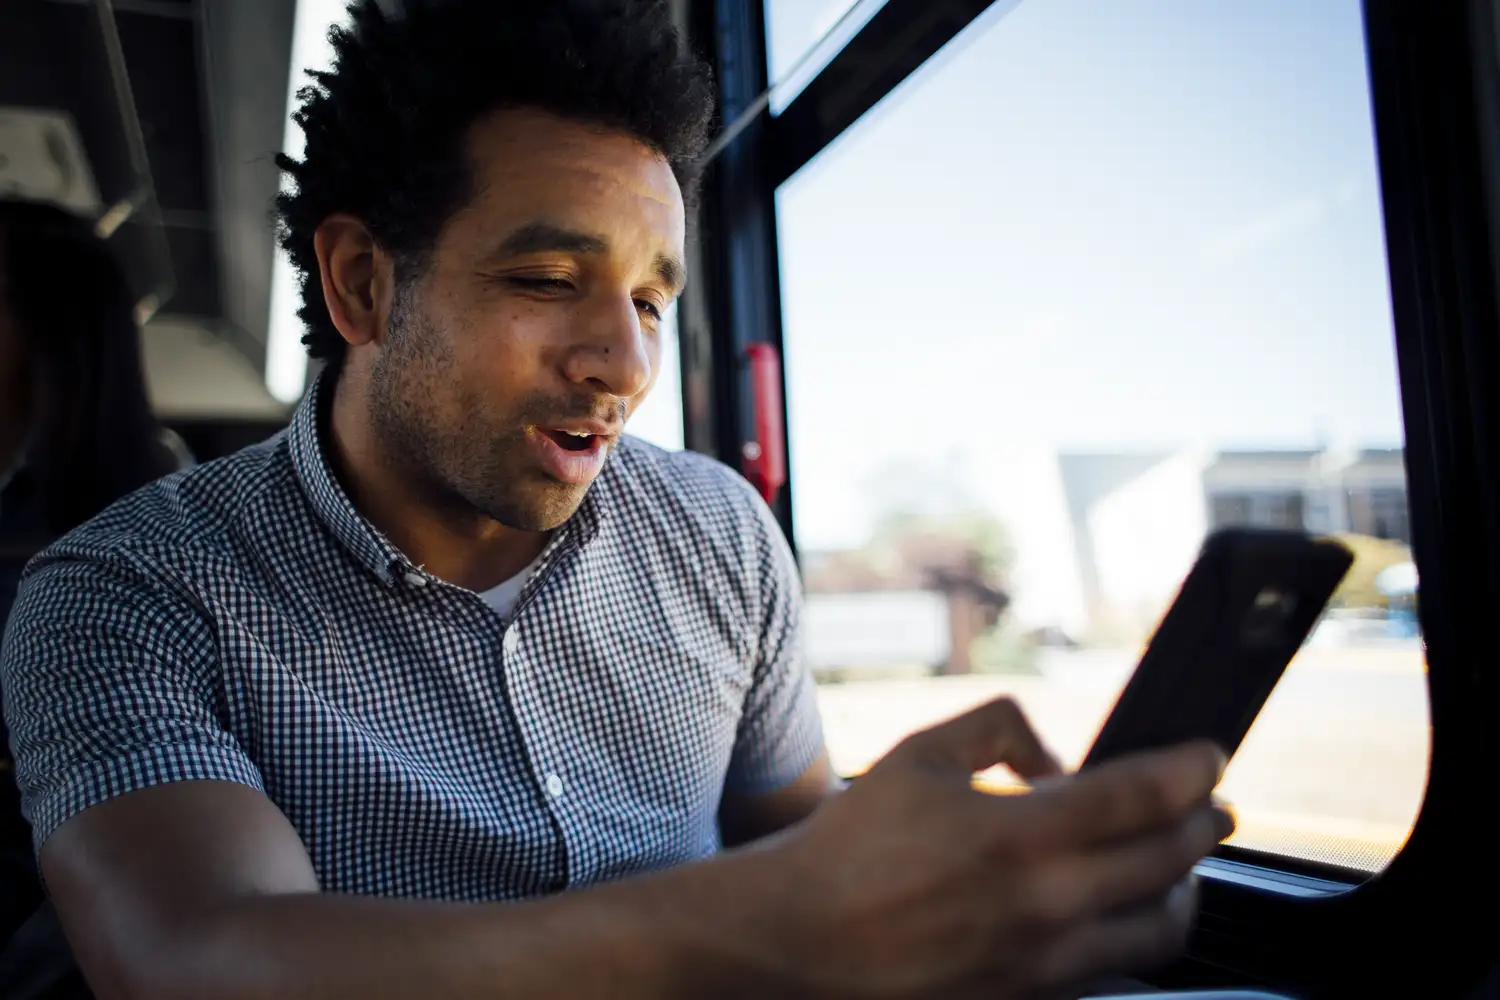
[1096, 280]
[802, 35]
[659, 419]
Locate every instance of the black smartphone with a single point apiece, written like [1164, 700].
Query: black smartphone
[1249, 603]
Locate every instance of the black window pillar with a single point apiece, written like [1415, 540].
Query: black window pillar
[735, 298]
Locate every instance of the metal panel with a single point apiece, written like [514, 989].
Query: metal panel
[67, 56]
[246, 57]
[896, 41]
[736, 297]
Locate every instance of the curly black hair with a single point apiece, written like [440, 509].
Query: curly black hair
[385, 127]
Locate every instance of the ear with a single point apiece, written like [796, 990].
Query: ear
[358, 279]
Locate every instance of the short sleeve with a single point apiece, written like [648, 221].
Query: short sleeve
[111, 685]
[780, 732]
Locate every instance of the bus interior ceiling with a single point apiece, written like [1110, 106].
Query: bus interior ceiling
[160, 118]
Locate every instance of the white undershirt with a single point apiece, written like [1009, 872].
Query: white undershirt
[502, 598]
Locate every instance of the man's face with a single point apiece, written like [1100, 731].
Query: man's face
[512, 363]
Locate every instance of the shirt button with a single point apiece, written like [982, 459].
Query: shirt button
[416, 579]
[512, 642]
[554, 786]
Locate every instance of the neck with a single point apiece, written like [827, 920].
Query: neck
[450, 540]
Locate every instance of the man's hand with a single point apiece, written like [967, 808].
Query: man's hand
[914, 884]
[909, 884]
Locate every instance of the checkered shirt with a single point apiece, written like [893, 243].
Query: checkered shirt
[242, 622]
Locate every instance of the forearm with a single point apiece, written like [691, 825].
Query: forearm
[746, 819]
[701, 930]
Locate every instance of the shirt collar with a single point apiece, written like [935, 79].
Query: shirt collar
[363, 540]
[329, 501]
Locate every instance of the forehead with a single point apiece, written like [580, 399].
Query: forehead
[529, 165]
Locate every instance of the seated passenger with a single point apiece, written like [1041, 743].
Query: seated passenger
[76, 431]
[452, 689]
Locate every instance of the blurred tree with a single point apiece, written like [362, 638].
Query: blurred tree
[952, 537]
[929, 535]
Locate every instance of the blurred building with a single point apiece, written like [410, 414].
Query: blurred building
[1137, 521]
[1098, 565]
[919, 601]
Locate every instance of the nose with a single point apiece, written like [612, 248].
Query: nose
[610, 351]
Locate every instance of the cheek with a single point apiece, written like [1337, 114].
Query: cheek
[507, 343]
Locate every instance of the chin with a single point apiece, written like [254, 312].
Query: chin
[542, 509]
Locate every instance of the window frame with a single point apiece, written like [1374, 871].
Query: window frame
[1266, 920]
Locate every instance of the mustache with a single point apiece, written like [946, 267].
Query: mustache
[546, 410]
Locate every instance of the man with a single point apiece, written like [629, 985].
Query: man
[452, 690]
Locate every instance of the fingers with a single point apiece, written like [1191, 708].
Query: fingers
[1126, 797]
[994, 733]
[1125, 875]
[1131, 941]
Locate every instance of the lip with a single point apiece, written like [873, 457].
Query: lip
[598, 428]
[575, 467]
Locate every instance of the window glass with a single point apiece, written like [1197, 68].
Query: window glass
[1097, 279]
[803, 35]
[286, 358]
[659, 417]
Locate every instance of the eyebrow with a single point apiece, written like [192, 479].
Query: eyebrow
[540, 237]
[670, 271]
[544, 237]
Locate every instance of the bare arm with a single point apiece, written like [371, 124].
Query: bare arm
[203, 890]
[910, 884]
[744, 818]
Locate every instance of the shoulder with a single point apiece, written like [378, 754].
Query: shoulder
[687, 472]
[686, 490]
[192, 515]
[690, 518]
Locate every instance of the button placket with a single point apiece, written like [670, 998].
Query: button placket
[539, 742]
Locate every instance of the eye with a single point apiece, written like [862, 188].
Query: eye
[542, 284]
[647, 306]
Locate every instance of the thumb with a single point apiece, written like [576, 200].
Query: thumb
[996, 732]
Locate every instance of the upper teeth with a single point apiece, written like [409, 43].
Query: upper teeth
[578, 434]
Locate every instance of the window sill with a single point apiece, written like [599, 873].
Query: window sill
[1270, 880]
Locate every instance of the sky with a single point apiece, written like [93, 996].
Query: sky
[1131, 225]
[1128, 226]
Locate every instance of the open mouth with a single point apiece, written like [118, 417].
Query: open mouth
[568, 441]
[569, 456]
